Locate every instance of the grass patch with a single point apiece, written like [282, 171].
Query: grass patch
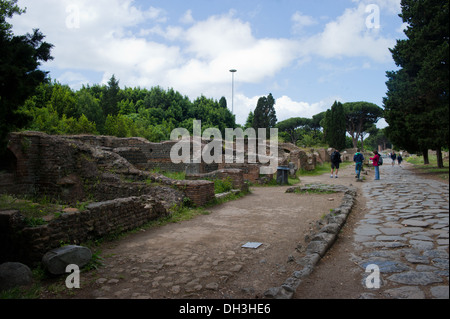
[223, 186]
[431, 168]
[322, 169]
[35, 209]
[179, 176]
[314, 191]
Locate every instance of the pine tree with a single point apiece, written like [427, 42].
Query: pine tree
[20, 58]
[265, 115]
[417, 101]
[334, 126]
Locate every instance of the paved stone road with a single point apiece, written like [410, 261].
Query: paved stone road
[406, 234]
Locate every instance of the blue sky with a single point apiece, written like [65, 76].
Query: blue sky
[308, 54]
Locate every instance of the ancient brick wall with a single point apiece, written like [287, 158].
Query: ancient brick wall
[28, 244]
[77, 168]
[251, 172]
[235, 175]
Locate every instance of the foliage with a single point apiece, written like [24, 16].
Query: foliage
[377, 137]
[417, 101]
[223, 186]
[334, 124]
[110, 110]
[264, 115]
[32, 210]
[20, 58]
[360, 119]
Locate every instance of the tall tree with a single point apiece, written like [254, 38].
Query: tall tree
[110, 99]
[360, 117]
[249, 122]
[265, 115]
[334, 124]
[20, 58]
[223, 102]
[417, 101]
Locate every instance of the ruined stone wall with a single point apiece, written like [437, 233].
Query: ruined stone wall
[28, 244]
[302, 160]
[67, 169]
[235, 175]
[250, 172]
[141, 153]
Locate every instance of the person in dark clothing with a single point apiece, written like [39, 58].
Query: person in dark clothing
[399, 159]
[393, 158]
[335, 161]
[358, 159]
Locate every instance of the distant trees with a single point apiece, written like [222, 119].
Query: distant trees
[20, 58]
[301, 131]
[360, 117]
[109, 110]
[417, 102]
[378, 137]
[291, 127]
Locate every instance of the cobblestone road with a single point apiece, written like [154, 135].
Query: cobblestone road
[405, 233]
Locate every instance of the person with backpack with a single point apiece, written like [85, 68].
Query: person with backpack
[335, 161]
[376, 162]
[393, 158]
[358, 158]
[399, 159]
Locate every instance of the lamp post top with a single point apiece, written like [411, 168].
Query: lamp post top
[233, 70]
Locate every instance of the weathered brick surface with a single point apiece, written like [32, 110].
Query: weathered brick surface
[76, 168]
[29, 244]
[235, 175]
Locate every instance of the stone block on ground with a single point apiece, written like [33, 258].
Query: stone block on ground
[56, 260]
[13, 275]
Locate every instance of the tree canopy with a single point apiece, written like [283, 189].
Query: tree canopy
[20, 58]
[109, 110]
[417, 101]
[334, 125]
[264, 115]
[360, 117]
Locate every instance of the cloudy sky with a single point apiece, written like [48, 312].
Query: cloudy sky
[308, 54]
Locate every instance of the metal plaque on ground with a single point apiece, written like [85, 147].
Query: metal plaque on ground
[251, 245]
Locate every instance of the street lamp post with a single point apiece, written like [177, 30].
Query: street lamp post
[232, 90]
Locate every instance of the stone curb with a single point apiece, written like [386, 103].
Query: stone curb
[320, 243]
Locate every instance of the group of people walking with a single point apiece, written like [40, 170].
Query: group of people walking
[395, 157]
[358, 158]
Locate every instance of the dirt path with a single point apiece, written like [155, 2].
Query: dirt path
[334, 276]
[204, 258]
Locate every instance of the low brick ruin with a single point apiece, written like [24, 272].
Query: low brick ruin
[80, 168]
[26, 244]
[115, 176]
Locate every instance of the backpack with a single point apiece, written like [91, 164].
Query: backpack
[358, 158]
[380, 160]
[334, 157]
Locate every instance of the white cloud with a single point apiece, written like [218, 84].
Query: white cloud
[286, 108]
[223, 42]
[349, 36]
[73, 79]
[141, 48]
[187, 18]
[300, 21]
[390, 6]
